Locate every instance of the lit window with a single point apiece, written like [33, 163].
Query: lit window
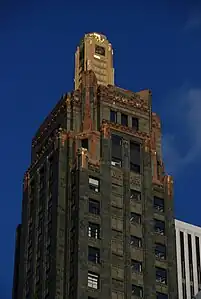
[94, 230]
[93, 280]
[94, 184]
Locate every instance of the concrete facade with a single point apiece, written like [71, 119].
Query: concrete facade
[97, 213]
[188, 247]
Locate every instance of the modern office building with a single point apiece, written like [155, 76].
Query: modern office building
[97, 210]
[94, 53]
[188, 245]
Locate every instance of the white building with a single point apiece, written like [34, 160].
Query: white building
[188, 245]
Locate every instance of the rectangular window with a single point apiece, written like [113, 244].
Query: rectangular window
[160, 251]
[159, 227]
[161, 275]
[94, 230]
[135, 157]
[116, 159]
[161, 296]
[84, 143]
[42, 178]
[94, 206]
[94, 255]
[198, 258]
[159, 204]
[135, 218]
[124, 120]
[136, 242]
[94, 184]
[113, 116]
[93, 280]
[136, 266]
[135, 195]
[135, 124]
[137, 291]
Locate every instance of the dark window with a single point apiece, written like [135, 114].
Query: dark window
[198, 258]
[136, 242]
[42, 178]
[99, 50]
[184, 290]
[135, 195]
[51, 169]
[113, 116]
[94, 255]
[136, 266]
[94, 184]
[161, 296]
[124, 120]
[93, 280]
[137, 291]
[116, 150]
[94, 230]
[159, 227]
[94, 207]
[158, 204]
[160, 251]
[135, 157]
[135, 124]
[135, 218]
[161, 275]
[192, 291]
[85, 143]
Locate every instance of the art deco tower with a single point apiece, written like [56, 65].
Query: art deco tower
[97, 211]
[94, 53]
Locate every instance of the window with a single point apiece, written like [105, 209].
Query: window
[85, 143]
[136, 242]
[135, 195]
[94, 255]
[136, 266]
[137, 291]
[124, 120]
[135, 124]
[135, 157]
[161, 275]
[113, 116]
[93, 280]
[160, 251]
[135, 218]
[94, 184]
[116, 150]
[94, 207]
[99, 50]
[42, 178]
[159, 227]
[161, 296]
[94, 230]
[158, 204]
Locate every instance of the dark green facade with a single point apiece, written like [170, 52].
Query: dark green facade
[90, 229]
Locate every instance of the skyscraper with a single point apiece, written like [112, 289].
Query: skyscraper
[97, 211]
[94, 53]
[188, 245]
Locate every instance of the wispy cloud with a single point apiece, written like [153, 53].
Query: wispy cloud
[194, 21]
[186, 109]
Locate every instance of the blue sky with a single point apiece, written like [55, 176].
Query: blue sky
[157, 45]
